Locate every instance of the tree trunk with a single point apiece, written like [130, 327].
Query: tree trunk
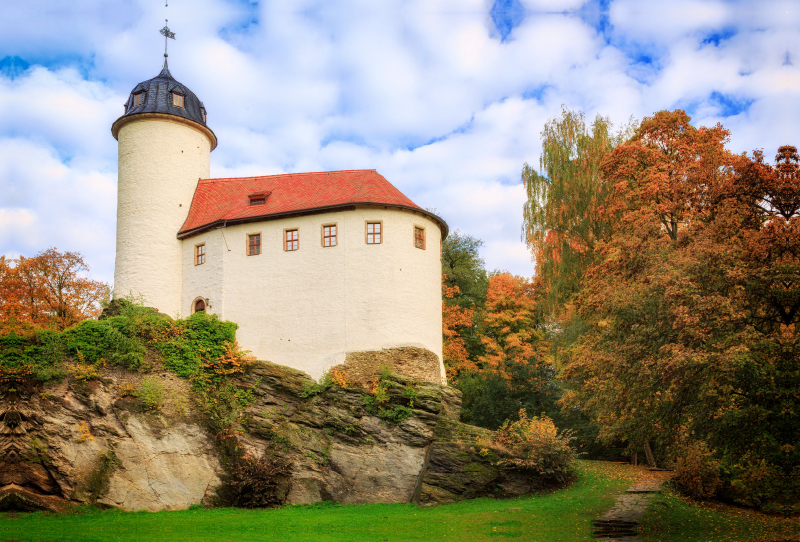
[635, 458]
[651, 461]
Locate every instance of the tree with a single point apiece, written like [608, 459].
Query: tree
[565, 214]
[464, 283]
[514, 372]
[464, 269]
[454, 320]
[691, 306]
[50, 290]
[512, 329]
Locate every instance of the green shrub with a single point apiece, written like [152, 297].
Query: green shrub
[534, 444]
[187, 345]
[222, 404]
[324, 383]
[150, 393]
[104, 339]
[377, 401]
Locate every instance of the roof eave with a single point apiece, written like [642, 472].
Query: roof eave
[126, 119]
[222, 222]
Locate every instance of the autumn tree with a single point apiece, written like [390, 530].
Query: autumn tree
[456, 322]
[565, 215]
[690, 307]
[49, 290]
[464, 283]
[515, 371]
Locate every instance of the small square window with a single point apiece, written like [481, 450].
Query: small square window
[200, 254]
[419, 237]
[177, 100]
[291, 240]
[254, 244]
[138, 99]
[329, 235]
[259, 198]
[373, 233]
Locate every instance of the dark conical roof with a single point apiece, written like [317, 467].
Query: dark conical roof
[158, 99]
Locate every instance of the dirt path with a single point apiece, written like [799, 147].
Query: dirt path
[620, 522]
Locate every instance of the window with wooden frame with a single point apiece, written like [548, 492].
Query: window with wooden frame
[200, 254]
[253, 244]
[138, 99]
[374, 233]
[177, 99]
[329, 235]
[291, 240]
[419, 237]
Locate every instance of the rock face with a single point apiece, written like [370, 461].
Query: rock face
[82, 442]
[78, 441]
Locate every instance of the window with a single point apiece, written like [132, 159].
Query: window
[373, 233]
[200, 254]
[291, 240]
[419, 237]
[177, 99]
[329, 235]
[138, 99]
[259, 198]
[254, 244]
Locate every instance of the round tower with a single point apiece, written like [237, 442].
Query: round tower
[164, 149]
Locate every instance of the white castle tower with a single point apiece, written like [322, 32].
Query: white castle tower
[164, 149]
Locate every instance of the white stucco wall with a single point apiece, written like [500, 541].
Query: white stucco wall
[307, 308]
[160, 162]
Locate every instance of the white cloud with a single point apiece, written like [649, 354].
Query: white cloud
[424, 91]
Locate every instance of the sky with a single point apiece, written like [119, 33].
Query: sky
[445, 98]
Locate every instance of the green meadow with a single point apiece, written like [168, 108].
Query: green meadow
[563, 515]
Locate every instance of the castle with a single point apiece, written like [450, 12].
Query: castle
[317, 269]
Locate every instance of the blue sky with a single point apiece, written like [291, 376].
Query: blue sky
[445, 98]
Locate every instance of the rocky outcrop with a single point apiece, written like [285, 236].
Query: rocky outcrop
[82, 442]
[79, 442]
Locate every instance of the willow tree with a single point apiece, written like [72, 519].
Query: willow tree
[565, 213]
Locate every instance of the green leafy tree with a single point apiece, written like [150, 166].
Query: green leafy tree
[564, 217]
[464, 268]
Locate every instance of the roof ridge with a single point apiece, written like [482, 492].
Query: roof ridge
[220, 179]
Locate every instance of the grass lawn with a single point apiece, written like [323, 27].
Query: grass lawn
[559, 516]
[672, 518]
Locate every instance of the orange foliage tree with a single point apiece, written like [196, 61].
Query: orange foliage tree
[50, 290]
[690, 312]
[512, 330]
[454, 319]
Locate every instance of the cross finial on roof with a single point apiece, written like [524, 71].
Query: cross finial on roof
[168, 35]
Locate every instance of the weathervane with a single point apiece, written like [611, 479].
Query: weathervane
[167, 36]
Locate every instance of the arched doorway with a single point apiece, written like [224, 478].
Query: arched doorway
[198, 305]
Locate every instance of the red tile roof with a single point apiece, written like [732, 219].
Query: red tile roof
[226, 201]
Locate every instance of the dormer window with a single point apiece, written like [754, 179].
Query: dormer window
[258, 199]
[177, 99]
[138, 99]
